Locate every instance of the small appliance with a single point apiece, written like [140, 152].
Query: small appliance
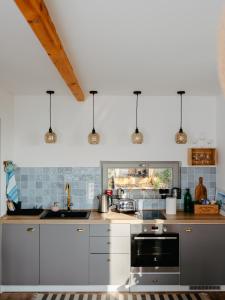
[103, 203]
[126, 205]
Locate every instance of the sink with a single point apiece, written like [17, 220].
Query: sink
[25, 212]
[66, 214]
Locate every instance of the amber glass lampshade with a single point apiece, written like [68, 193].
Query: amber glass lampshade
[137, 137]
[93, 137]
[181, 137]
[50, 137]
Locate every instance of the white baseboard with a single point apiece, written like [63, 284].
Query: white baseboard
[99, 288]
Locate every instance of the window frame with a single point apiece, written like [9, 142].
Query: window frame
[175, 165]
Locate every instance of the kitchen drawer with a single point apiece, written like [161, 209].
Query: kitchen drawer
[154, 279]
[108, 269]
[110, 230]
[109, 244]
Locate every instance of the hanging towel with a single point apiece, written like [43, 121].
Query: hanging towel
[11, 187]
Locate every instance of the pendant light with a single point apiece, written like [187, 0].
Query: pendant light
[137, 136]
[50, 136]
[93, 137]
[181, 136]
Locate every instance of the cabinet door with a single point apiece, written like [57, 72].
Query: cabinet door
[110, 230]
[20, 254]
[202, 250]
[108, 269]
[111, 244]
[64, 254]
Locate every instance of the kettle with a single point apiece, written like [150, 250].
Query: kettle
[176, 192]
[103, 206]
[120, 193]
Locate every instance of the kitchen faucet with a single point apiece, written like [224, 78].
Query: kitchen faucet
[68, 191]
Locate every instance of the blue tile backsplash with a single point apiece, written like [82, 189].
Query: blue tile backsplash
[43, 186]
[40, 187]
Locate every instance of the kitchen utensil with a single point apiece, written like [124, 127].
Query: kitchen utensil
[103, 203]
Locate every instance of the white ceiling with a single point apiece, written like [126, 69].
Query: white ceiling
[116, 46]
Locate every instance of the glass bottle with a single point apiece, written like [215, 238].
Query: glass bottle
[188, 205]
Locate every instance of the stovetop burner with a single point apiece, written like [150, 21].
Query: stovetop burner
[152, 214]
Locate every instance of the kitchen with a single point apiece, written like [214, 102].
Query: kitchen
[38, 254]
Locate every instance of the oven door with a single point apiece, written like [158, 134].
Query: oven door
[152, 250]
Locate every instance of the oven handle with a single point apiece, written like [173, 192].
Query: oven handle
[156, 238]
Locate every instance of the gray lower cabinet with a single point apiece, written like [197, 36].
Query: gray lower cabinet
[109, 260]
[108, 269]
[202, 249]
[64, 252]
[20, 254]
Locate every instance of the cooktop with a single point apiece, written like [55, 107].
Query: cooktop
[152, 214]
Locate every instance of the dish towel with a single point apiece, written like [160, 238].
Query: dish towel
[11, 187]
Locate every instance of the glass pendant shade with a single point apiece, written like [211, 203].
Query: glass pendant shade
[181, 136]
[137, 137]
[93, 137]
[50, 136]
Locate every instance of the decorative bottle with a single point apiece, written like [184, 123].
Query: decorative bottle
[188, 205]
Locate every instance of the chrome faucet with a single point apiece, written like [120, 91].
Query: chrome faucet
[68, 191]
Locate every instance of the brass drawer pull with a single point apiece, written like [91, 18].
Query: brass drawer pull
[189, 229]
[31, 229]
[155, 280]
[80, 229]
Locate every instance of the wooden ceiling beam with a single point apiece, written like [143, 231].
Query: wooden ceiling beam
[37, 16]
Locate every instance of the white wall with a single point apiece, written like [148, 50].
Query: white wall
[115, 121]
[6, 138]
[221, 142]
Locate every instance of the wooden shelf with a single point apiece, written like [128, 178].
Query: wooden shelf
[202, 156]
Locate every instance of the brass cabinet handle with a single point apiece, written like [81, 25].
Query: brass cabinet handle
[189, 229]
[31, 229]
[80, 229]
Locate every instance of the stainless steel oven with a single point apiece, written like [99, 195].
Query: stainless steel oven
[154, 248]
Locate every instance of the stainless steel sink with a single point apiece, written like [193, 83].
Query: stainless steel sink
[66, 214]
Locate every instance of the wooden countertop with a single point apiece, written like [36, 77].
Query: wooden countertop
[119, 218]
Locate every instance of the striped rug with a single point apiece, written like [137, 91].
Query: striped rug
[122, 296]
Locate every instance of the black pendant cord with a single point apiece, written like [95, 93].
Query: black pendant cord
[50, 112]
[181, 111]
[137, 113]
[93, 112]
